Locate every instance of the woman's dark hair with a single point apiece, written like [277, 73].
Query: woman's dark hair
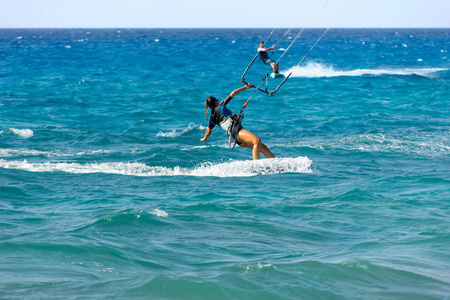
[211, 102]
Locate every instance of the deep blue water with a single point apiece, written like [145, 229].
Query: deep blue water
[107, 192]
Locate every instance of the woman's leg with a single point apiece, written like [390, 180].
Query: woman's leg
[249, 140]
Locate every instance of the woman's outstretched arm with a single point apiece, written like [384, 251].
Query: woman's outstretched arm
[237, 91]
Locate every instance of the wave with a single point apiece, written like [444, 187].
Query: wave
[395, 144]
[418, 144]
[228, 169]
[137, 214]
[5, 152]
[224, 145]
[159, 212]
[177, 133]
[314, 70]
[23, 133]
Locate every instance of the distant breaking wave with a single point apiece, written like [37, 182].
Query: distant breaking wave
[23, 133]
[228, 169]
[314, 70]
[5, 152]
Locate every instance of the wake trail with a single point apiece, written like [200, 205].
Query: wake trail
[316, 70]
[227, 169]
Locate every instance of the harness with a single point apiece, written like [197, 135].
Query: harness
[263, 56]
[228, 124]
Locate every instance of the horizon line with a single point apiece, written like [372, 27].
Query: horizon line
[222, 27]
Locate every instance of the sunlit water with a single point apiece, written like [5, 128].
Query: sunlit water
[107, 192]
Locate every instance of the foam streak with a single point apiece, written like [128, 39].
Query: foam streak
[315, 70]
[228, 169]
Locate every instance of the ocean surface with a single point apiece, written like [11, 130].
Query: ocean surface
[106, 190]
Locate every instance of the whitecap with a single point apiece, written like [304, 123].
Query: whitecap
[259, 266]
[5, 152]
[177, 133]
[91, 152]
[195, 147]
[416, 144]
[159, 213]
[172, 133]
[23, 133]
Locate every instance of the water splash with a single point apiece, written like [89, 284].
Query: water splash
[177, 133]
[315, 70]
[228, 169]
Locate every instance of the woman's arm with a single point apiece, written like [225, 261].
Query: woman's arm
[207, 134]
[237, 91]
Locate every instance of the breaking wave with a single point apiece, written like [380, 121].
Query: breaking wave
[23, 133]
[228, 169]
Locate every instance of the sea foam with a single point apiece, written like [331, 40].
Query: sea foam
[7, 152]
[177, 133]
[227, 169]
[159, 212]
[413, 144]
[23, 133]
[314, 70]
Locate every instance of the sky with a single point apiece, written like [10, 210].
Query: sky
[228, 13]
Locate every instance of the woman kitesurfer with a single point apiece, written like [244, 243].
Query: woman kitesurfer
[221, 115]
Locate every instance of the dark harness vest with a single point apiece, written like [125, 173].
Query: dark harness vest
[263, 56]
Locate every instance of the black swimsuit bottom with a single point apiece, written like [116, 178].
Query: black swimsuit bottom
[235, 130]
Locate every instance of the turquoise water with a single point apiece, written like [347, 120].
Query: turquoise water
[107, 192]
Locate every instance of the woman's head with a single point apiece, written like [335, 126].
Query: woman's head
[211, 102]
